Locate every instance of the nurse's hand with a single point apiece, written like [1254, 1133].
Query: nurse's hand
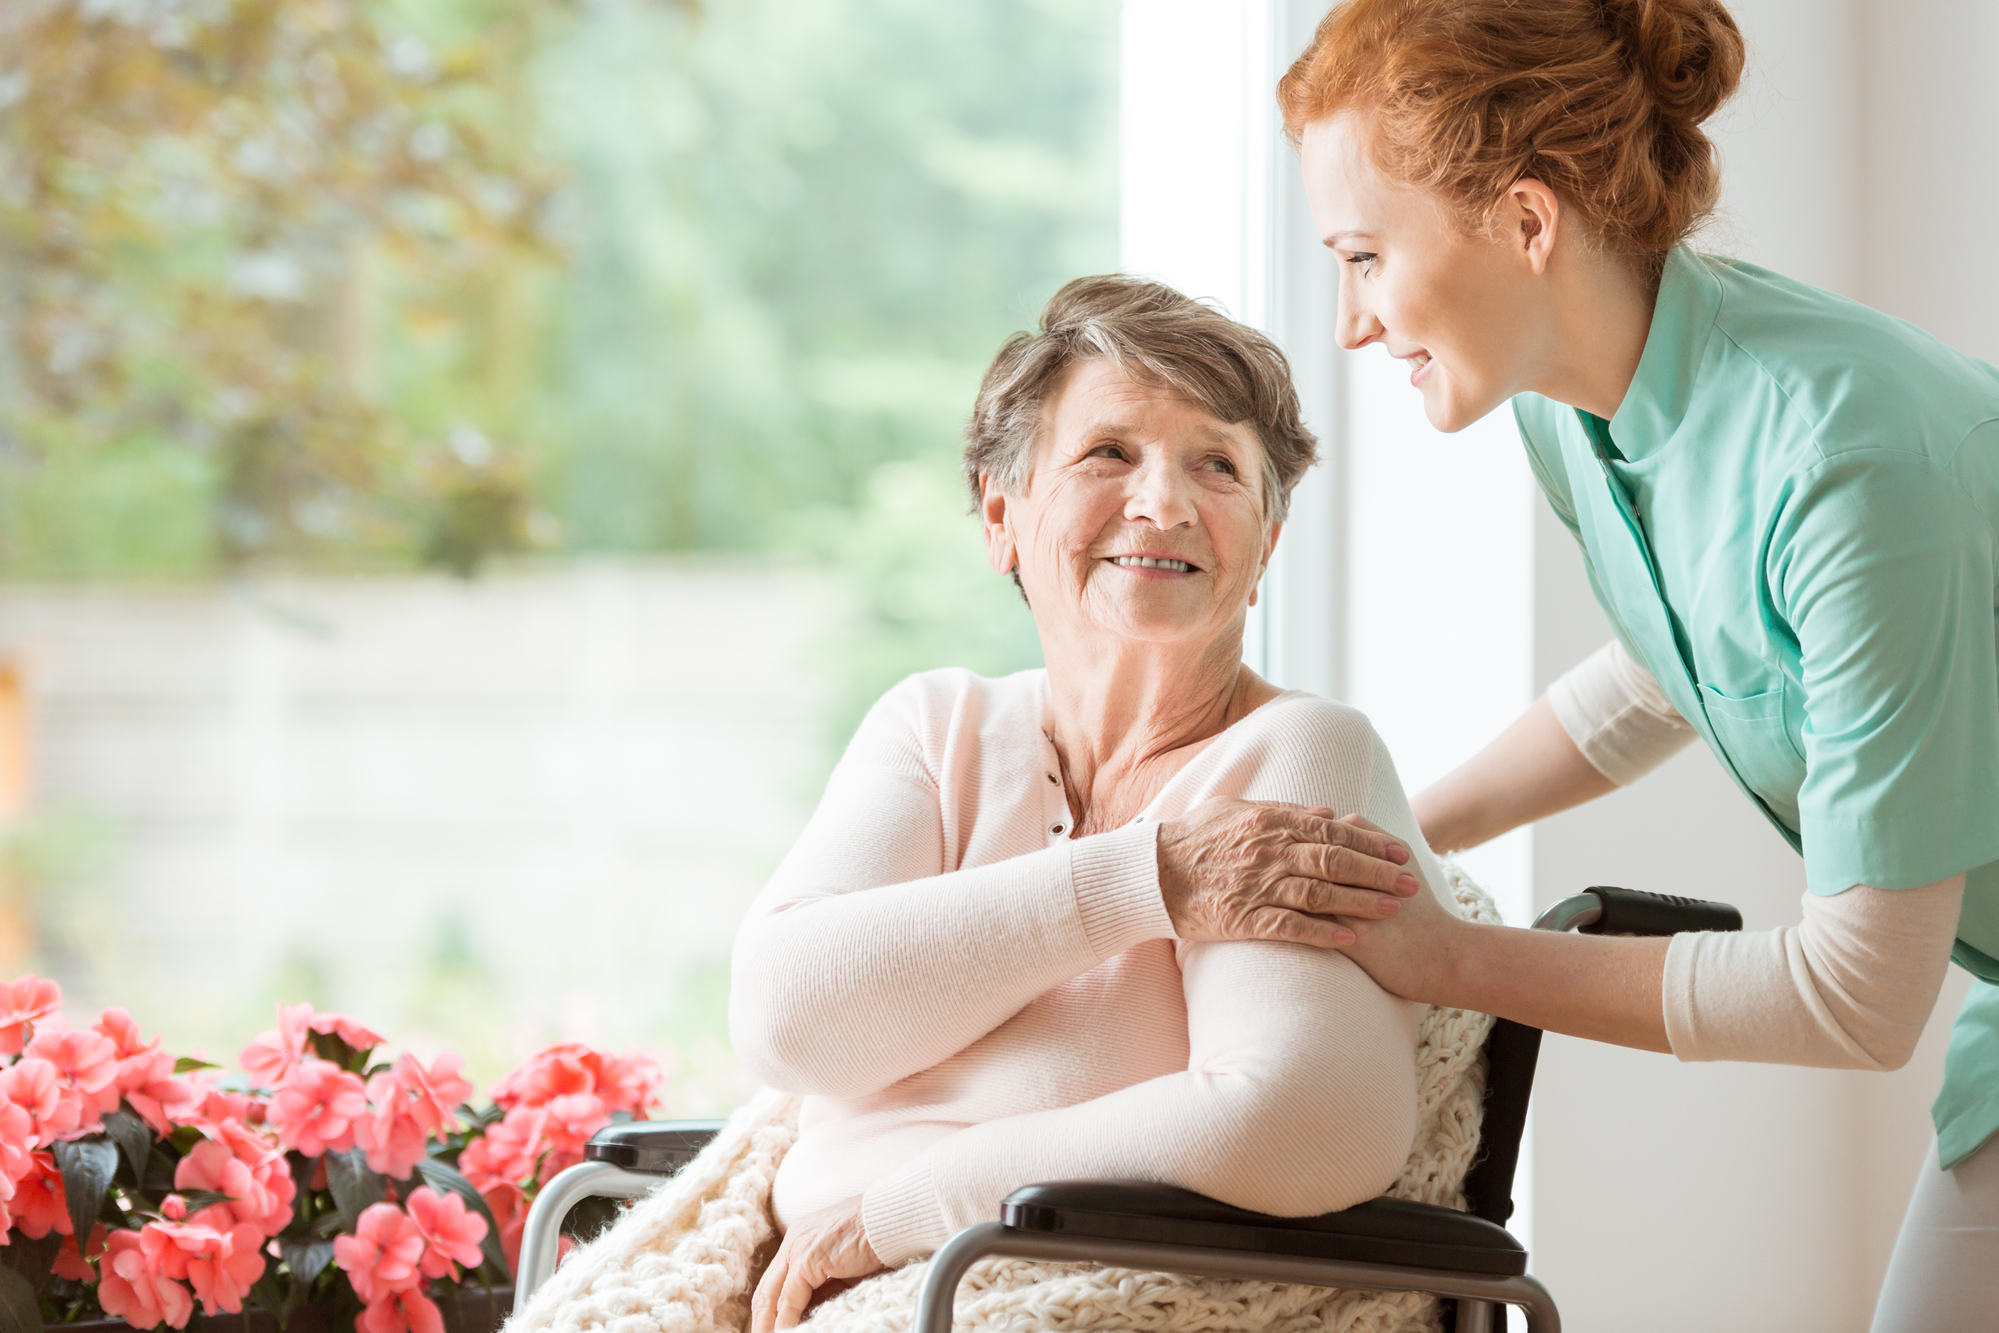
[1413, 954]
[1266, 870]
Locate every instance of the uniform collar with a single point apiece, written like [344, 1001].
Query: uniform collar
[1682, 320]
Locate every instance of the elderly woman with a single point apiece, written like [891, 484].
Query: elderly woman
[1010, 945]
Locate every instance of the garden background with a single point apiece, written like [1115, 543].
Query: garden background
[465, 465]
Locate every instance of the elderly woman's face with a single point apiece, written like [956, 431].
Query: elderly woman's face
[1144, 514]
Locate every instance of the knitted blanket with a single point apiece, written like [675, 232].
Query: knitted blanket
[686, 1258]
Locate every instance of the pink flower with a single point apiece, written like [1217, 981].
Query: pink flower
[621, 1084]
[71, 1265]
[222, 1264]
[145, 1076]
[381, 1258]
[510, 1209]
[510, 1151]
[271, 1055]
[133, 1287]
[391, 1137]
[86, 1065]
[408, 1311]
[316, 1106]
[451, 1235]
[435, 1094]
[17, 1140]
[22, 1002]
[347, 1029]
[39, 1205]
[247, 1169]
[218, 1107]
[406, 1107]
[33, 1085]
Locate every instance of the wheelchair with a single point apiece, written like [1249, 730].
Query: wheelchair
[1468, 1258]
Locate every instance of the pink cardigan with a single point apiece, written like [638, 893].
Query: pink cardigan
[975, 1000]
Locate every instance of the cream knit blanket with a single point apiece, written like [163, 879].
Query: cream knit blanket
[686, 1257]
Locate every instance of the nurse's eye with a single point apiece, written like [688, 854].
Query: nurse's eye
[1365, 258]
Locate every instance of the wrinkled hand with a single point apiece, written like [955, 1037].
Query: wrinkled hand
[1266, 870]
[1411, 955]
[828, 1246]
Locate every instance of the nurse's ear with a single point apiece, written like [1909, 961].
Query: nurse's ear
[1529, 221]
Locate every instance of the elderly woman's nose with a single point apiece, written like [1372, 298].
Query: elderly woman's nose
[1161, 494]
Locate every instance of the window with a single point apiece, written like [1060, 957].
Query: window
[482, 464]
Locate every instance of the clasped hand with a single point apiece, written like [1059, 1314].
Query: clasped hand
[829, 1246]
[1266, 870]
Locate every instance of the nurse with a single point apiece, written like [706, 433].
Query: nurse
[1789, 508]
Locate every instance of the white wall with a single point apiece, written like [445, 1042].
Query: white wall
[1424, 580]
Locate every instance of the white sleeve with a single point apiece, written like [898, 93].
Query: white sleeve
[1299, 1097]
[1849, 988]
[1616, 714]
[861, 963]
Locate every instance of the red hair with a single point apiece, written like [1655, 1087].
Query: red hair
[1600, 100]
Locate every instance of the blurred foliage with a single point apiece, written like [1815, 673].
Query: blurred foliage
[384, 283]
[196, 199]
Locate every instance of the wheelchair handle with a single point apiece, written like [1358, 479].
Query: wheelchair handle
[1604, 909]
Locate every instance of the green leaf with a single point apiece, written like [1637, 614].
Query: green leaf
[197, 1200]
[354, 1186]
[306, 1259]
[159, 1173]
[134, 1138]
[20, 1311]
[87, 1168]
[441, 1176]
[187, 1064]
[33, 1259]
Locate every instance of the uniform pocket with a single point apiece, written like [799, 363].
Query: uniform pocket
[1758, 746]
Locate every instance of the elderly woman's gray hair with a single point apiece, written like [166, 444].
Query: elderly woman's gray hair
[1153, 335]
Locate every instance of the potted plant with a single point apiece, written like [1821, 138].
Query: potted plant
[319, 1189]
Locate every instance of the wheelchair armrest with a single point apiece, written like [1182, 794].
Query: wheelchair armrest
[1380, 1231]
[651, 1147]
[1603, 909]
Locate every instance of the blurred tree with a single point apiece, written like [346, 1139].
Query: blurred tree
[194, 203]
[387, 282]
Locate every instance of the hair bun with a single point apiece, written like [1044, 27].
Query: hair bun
[1689, 52]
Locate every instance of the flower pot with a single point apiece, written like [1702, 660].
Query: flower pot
[469, 1309]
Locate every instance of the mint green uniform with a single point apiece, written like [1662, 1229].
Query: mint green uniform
[1792, 522]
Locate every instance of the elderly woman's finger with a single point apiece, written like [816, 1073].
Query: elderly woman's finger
[1276, 923]
[1350, 868]
[1307, 893]
[763, 1305]
[796, 1295]
[1320, 825]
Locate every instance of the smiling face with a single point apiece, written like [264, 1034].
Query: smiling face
[1466, 313]
[1143, 517]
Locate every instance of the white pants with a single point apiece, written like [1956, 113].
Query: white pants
[1944, 1277]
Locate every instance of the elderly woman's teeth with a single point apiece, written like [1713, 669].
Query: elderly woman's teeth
[1147, 562]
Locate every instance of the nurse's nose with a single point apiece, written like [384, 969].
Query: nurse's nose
[1355, 326]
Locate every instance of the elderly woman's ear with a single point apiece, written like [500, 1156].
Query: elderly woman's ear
[1000, 549]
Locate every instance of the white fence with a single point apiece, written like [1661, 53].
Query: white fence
[478, 815]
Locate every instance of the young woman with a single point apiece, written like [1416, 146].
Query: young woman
[1789, 507]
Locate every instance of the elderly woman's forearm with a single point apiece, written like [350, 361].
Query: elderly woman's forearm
[843, 994]
[1529, 771]
[1299, 1098]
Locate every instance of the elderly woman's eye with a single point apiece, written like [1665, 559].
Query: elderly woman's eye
[1109, 451]
[1224, 465]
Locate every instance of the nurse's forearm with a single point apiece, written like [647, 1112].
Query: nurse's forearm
[1599, 987]
[1530, 771]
